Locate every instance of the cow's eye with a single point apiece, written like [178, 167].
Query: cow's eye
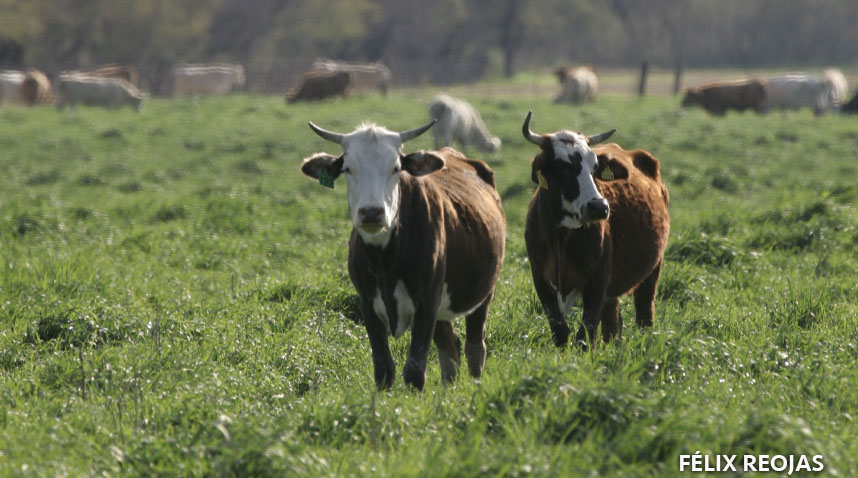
[575, 156]
[348, 170]
[396, 170]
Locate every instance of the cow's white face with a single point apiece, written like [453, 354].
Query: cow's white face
[574, 166]
[371, 166]
[371, 163]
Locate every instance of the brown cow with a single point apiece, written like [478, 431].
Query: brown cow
[596, 229]
[318, 85]
[718, 98]
[36, 88]
[426, 247]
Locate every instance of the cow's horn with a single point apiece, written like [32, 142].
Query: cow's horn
[598, 138]
[528, 134]
[413, 133]
[328, 135]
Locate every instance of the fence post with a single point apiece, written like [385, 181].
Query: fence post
[642, 83]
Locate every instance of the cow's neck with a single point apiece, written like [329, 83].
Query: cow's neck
[383, 260]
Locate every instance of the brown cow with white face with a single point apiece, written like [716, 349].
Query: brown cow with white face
[596, 230]
[426, 247]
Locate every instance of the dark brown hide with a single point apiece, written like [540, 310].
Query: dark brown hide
[318, 85]
[718, 98]
[607, 259]
[450, 230]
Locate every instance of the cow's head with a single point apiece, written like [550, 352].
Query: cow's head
[692, 97]
[565, 168]
[372, 161]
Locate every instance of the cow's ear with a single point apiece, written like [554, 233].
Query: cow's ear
[536, 169]
[421, 163]
[609, 169]
[324, 167]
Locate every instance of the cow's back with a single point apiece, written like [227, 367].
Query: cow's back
[639, 223]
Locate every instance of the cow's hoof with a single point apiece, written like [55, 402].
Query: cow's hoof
[415, 379]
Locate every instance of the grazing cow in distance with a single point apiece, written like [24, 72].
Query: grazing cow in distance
[718, 98]
[207, 79]
[459, 121]
[364, 76]
[320, 85]
[596, 229]
[801, 90]
[426, 246]
[10, 86]
[36, 88]
[97, 91]
[579, 84]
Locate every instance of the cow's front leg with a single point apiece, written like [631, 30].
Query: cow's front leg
[422, 330]
[593, 301]
[382, 361]
[556, 319]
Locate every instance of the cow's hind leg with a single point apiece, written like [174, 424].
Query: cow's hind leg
[475, 337]
[612, 323]
[645, 298]
[449, 350]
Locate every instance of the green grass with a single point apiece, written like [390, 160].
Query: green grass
[174, 301]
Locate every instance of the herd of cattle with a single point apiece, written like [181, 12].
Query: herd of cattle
[114, 86]
[429, 230]
[820, 93]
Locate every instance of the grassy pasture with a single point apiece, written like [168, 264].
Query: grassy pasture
[174, 301]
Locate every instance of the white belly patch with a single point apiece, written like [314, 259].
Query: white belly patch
[566, 303]
[445, 312]
[404, 309]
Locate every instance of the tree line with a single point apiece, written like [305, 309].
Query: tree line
[443, 41]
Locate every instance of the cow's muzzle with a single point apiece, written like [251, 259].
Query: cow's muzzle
[596, 210]
[371, 219]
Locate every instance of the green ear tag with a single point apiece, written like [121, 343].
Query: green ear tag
[607, 174]
[543, 183]
[325, 179]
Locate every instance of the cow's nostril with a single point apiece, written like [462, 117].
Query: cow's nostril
[370, 215]
[597, 210]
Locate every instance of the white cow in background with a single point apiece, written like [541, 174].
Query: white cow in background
[459, 121]
[10, 87]
[801, 90]
[200, 79]
[579, 85]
